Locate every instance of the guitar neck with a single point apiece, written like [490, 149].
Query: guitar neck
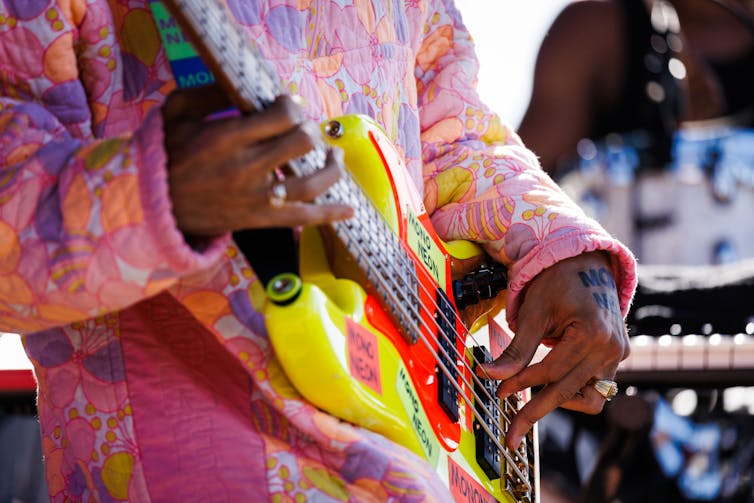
[253, 85]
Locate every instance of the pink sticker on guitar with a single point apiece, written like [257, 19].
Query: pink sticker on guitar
[363, 355]
[464, 488]
[500, 337]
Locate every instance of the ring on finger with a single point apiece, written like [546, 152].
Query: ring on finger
[278, 194]
[605, 387]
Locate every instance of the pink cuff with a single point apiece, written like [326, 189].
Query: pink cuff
[167, 239]
[566, 246]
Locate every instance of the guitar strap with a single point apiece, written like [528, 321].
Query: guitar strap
[270, 252]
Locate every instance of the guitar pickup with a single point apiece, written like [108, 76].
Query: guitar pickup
[487, 405]
[447, 369]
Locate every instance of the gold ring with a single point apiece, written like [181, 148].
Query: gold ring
[605, 387]
[278, 194]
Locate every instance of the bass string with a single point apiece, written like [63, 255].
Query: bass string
[388, 292]
[400, 284]
[513, 463]
[396, 249]
[260, 97]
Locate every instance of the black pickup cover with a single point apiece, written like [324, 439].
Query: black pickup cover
[447, 394]
[487, 452]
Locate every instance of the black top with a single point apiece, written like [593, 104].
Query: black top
[651, 97]
[647, 53]
[737, 78]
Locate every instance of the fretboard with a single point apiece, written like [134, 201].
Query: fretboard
[253, 85]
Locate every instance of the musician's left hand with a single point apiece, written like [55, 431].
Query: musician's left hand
[573, 306]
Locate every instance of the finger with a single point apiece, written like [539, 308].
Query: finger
[588, 400]
[516, 356]
[277, 151]
[563, 357]
[297, 213]
[547, 400]
[282, 116]
[195, 103]
[306, 188]
[544, 372]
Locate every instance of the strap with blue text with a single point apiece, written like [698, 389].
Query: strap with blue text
[272, 251]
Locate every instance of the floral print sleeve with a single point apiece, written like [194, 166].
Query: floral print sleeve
[482, 184]
[85, 223]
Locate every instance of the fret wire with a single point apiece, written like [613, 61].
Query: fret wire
[510, 456]
[403, 256]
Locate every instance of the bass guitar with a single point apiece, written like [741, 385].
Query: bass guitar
[386, 348]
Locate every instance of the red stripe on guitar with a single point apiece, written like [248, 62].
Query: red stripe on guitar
[17, 381]
[363, 355]
[464, 488]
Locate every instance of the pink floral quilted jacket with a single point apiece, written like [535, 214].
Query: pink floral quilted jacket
[156, 380]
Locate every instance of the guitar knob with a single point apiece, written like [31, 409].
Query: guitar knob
[334, 129]
[284, 288]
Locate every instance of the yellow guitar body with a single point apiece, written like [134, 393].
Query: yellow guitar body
[336, 344]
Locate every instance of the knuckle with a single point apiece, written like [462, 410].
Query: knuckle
[613, 350]
[526, 418]
[303, 138]
[625, 345]
[513, 353]
[289, 110]
[562, 396]
[594, 406]
[626, 350]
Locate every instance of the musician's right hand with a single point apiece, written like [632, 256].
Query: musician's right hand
[221, 171]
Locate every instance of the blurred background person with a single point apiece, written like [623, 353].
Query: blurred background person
[618, 66]
[644, 112]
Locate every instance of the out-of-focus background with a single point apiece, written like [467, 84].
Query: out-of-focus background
[681, 429]
[668, 167]
[508, 34]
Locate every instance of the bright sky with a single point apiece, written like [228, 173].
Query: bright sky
[508, 34]
[12, 354]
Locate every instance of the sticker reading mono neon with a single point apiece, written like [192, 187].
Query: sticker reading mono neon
[363, 355]
[464, 488]
[419, 421]
[426, 249]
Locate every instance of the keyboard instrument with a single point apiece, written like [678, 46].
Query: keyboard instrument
[690, 360]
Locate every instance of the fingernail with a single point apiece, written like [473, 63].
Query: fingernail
[512, 441]
[503, 393]
[338, 154]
